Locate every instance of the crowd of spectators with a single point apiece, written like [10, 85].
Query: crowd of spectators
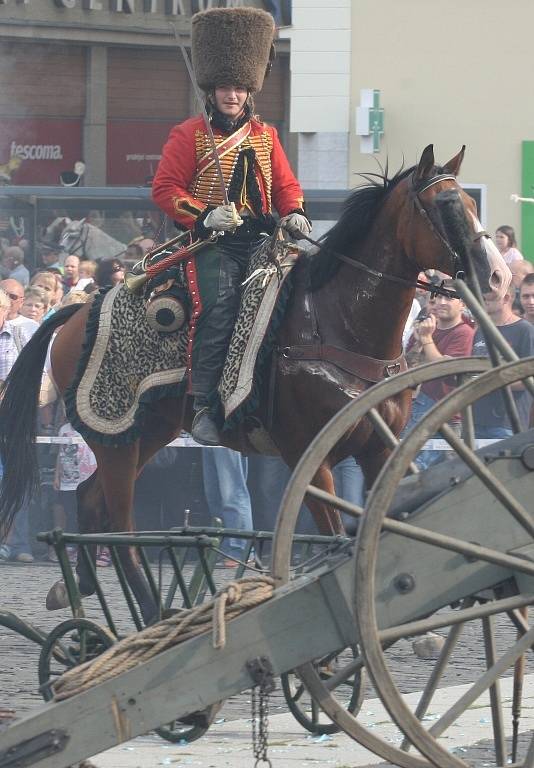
[216, 482]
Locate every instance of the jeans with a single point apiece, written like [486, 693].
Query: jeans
[489, 433]
[350, 486]
[18, 538]
[225, 488]
[421, 405]
[270, 476]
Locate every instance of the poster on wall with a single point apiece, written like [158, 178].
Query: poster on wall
[35, 151]
[134, 151]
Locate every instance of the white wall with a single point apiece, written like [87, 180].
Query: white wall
[320, 90]
[450, 73]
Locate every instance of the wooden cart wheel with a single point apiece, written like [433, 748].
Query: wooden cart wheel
[304, 708]
[367, 405]
[189, 728]
[464, 544]
[72, 642]
[76, 641]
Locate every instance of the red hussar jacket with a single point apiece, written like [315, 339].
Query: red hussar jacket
[186, 181]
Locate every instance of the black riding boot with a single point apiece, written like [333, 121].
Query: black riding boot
[204, 429]
[215, 329]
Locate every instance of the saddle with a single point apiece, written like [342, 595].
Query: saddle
[128, 363]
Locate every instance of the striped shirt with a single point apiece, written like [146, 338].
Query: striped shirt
[12, 339]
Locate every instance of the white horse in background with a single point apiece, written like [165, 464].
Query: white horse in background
[80, 238]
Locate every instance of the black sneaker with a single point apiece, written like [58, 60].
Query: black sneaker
[204, 429]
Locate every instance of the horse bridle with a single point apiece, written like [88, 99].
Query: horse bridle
[419, 207]
[459, 272]
[80, 240]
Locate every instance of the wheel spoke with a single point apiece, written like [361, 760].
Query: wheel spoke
[69, 658]
[426, 536]
[488, 478]
[494, 691]
[299, 690]
[84, 643]
[482, 684]
[518, 620]
[314, 712]
[435, 677]
[386, 434]
[335, 501]
[441, 620]
[517, 695]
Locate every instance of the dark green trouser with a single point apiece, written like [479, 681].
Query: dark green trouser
[220, 269]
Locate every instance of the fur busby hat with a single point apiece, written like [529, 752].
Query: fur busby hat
[232, 46]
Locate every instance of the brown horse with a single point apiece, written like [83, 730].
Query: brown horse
[342, 330]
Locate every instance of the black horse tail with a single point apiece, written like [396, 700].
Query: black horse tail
[18, 420]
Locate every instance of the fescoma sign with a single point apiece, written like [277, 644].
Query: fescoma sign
[166, 7]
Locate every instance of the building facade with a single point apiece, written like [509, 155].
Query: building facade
[101, 81]
[449, 74]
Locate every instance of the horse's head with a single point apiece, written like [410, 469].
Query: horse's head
[440, 229]
[74, 237]
[54, 231]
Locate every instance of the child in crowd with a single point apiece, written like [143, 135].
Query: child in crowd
[86, 274]
[75, 463]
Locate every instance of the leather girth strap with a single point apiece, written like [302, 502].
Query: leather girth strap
[361, 366]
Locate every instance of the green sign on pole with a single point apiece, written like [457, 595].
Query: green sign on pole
[527, 209]
[376, 121]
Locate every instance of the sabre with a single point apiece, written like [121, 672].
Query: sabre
[200, 100]
[517, 199]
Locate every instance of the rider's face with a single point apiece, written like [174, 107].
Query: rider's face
[230, 99]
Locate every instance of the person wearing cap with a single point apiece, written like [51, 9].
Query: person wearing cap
[51, 255]
[231, 52]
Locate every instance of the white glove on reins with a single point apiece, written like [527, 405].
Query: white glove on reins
[224, 218]
[296, 224]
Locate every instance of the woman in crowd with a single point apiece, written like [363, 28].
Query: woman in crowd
[52, 284]
[109, 272]
[507, 244]
[35, 304]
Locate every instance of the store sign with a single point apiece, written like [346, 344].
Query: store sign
[134, 151]
[166, 7]
[36, 151]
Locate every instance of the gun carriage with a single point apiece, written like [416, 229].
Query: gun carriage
[435, 550]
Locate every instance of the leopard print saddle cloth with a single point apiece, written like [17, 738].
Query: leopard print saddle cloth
[126, 365]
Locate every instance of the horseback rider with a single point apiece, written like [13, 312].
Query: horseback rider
[231, 50]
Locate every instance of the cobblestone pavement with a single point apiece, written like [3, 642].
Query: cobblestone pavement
[24, 588]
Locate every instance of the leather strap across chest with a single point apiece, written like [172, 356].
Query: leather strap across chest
[223, 147]
[361, 366]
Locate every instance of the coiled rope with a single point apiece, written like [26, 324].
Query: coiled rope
[235, 598]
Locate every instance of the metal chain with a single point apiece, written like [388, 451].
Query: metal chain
[260, 724]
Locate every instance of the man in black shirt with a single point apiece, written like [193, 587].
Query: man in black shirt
[491, 418]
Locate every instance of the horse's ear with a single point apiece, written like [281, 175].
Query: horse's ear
[453, 166]
[426, 164]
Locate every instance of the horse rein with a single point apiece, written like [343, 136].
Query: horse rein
[434, 290]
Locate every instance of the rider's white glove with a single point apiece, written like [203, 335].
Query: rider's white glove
[296, 224]
[225, 218]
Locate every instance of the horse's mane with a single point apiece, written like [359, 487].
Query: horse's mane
[357, 215]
